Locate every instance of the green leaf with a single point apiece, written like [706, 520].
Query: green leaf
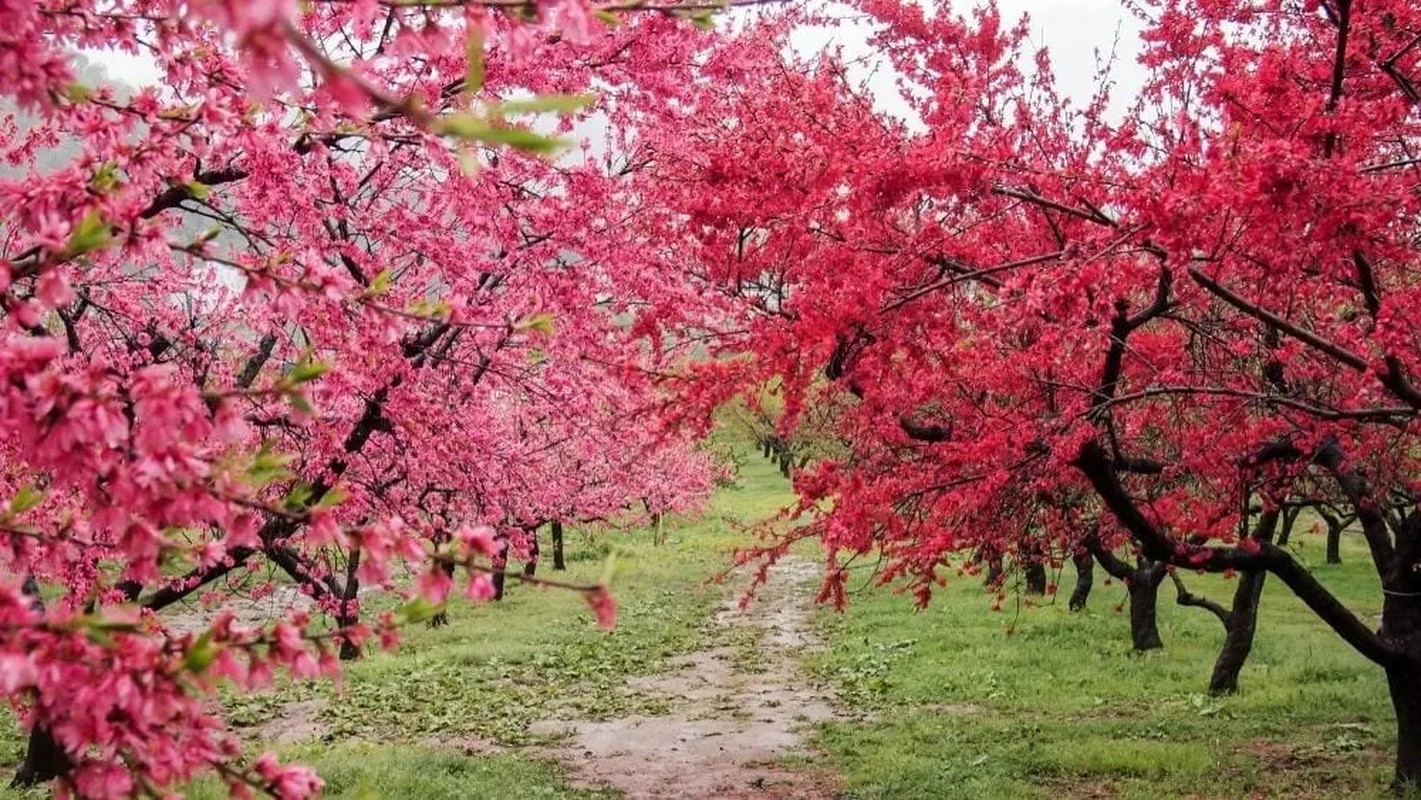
[201, 654]
[545, 103]
[90, 234]
[77, 93]
[474, 78]
[541, 323]
[106, 178]
[467, 126]
[381, 283]
[198, 190]
[332, 498]
[27, 498]
[704, 20]
[607, 18]
[305, 371]
[299, 402]
[419, 610]
[299, 496]
[267, 466]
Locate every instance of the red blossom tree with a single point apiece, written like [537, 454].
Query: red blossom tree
[1060, 331]
[316, 300]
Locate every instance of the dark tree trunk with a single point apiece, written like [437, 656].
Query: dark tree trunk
[1085, 579]
[1035, 575]
[1334, 537]
[348, 616]
[44, 759]
[558, 562]
[1143, 585]
[768, 446]
[1242, 619]
[994, 572]
[786, 462]
[1404, 680]
[1239, 628]
[530, 567]
[500, 566]
[1290, 518]
[1142, 581]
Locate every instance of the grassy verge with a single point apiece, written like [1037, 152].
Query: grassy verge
[1062, 707]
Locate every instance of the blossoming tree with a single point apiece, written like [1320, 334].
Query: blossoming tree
[1158, 333]
[312, 296]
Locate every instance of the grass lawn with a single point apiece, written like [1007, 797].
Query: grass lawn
[947, 704]
[1063, 707]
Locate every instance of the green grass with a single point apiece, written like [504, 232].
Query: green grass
[946, 704]
[1061, 706]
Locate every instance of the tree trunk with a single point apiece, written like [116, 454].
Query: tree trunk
[658, 530]
[348, 616]
[530, 567]
[994, 572]
[1142, 581]
[1290, 518]
[1242, 619]
[1143, 585]
[1035, 573]
[786, 462]
[1404, 681]
[1239, 628]
[44, 759]
[500, 566]
[1334, 537]
[558, 562]
[1085, 579]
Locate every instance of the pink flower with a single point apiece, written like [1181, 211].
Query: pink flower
[603, 606]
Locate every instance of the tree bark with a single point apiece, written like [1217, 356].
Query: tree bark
[1242, 619]
[1142, 582]
[1334, 537]
[348, 616]
[1085, 579]
[1404, 680]
[1144, 585]
[1239, 628]
[558, 561]
[530, 567]
[1035, 576]
[44, 759]
[500, 565]
[994, 572]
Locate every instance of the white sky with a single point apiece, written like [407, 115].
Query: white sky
[1079, 34]
[1073, 30]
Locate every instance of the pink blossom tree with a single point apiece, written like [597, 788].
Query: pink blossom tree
[292, 306]
[1061, 332]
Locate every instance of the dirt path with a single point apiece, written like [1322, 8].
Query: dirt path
[735, 710]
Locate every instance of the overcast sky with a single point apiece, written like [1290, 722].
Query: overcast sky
[1073, 30]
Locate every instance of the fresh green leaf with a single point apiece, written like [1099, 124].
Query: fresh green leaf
[419, 610]
[474, 78]
[27, 498]
[201, 654]
[92, 233]
[557, 103]
[381, 283]
[305, 371]
[541, 323]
